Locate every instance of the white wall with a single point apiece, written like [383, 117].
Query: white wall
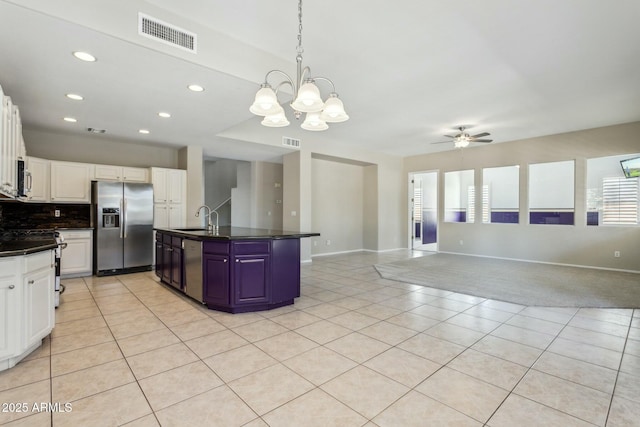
[98, 149]
[220, 176]
[578, 244]
[190, 159]
[268, 183]
[241, 197]
[337, 203]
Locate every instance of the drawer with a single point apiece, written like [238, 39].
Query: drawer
[251, 247]
[38, 261]
[159, 237]
[216, 248]
[176, 242]
[166, 239]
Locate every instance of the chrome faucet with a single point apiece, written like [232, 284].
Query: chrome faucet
[210, 226]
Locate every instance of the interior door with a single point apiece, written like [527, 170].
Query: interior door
[424, 211]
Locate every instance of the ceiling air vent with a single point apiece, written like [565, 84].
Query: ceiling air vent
[290, 142]
[166, 33]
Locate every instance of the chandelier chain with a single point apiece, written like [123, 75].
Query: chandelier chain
[299, 49]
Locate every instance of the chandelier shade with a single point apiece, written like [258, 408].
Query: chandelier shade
[313, 122]
[266, 102]
[306, 97]
[333, 111]
[276, 120]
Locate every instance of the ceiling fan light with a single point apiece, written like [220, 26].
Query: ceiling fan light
[276, 120]
[461, 143]
[266, 102]
[333, 111]
[313, 122]
[308, 99]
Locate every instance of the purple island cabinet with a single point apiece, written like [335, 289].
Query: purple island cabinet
[242, 272]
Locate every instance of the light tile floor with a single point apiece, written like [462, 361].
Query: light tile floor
[354, 350]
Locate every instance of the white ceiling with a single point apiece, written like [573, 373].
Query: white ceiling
[407, 71]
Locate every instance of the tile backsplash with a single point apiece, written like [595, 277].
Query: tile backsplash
[16, 215]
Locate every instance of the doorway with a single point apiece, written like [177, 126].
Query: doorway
[423, 221]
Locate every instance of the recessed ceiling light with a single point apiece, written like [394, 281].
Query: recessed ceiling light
[84, 56]
[163, 114]
[94, 130]
[196, 88]
[74, 96]
[144, 131]
[70, 119]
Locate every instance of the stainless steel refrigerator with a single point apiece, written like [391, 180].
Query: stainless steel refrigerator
[122, 216]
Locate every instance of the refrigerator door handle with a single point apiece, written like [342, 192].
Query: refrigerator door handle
[123, 219]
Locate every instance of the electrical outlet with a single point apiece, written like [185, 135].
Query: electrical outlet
[56, 213]
[294, 213]
[328, 242]
[461, 242]
[616, 254]
[315, 243]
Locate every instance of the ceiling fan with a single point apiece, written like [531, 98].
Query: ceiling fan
[463, 139]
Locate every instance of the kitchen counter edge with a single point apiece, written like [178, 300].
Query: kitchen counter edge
[236, 233]
[33, 247]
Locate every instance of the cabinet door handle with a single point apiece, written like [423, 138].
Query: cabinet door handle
[225, 260]
[237, 260]
[31, 282]
[11, 286]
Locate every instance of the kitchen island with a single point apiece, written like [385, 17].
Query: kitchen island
[233, 269]
[27, 278]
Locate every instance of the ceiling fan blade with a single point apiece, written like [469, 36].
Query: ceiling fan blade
[480, 135]
[441, 142]
[451, 136]
[481, 140]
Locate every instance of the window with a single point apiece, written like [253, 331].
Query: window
[620, 201]
[417, 204]
[501, 194]
[459, 196]
[611, 198]
[551, 193]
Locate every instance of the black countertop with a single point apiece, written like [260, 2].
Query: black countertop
[235, 233]
[25, 247]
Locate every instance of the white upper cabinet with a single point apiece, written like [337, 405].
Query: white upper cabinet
[121, 173]
[40, 179]
[12, 146]
[71, 182]
[7, 148]
[169, 196]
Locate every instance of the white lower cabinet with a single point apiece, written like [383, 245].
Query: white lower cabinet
[27, 312]
[77, 258]
[10, 297]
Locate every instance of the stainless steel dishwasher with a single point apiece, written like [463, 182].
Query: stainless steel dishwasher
[193, 268]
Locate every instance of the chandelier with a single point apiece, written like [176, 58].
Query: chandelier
[306, 97]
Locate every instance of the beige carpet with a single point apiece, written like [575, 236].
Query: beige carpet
[519, 282]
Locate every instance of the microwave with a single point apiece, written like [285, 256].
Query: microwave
[23, 181]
